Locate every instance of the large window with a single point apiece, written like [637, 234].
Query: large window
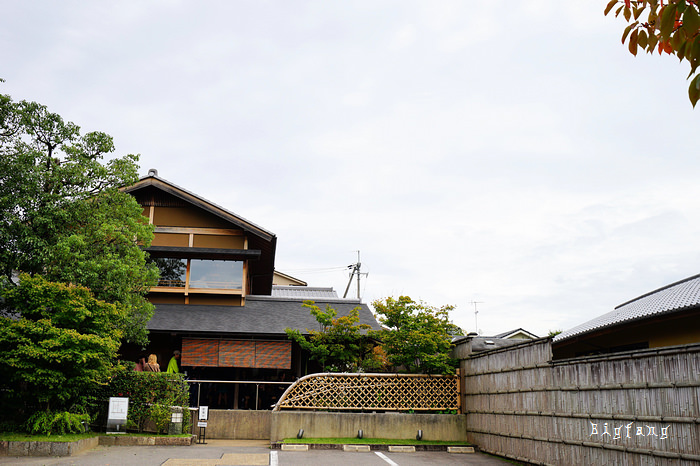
[173, 272]
[211, 274]
[226, 275]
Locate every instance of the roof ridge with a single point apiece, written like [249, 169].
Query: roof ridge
[263, 297]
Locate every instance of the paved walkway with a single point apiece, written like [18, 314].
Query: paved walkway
[249, 452]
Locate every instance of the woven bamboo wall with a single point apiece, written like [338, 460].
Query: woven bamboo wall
[635, 408]
[383, 392]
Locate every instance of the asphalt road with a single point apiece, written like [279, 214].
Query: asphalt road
[229, 453]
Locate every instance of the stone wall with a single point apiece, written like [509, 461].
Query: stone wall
[12, 448]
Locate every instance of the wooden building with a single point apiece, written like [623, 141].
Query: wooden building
[215, 301]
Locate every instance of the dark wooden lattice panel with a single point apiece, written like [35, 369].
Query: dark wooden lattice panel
[372, 391]
[237, 353]
[273, 354]
[200, 352]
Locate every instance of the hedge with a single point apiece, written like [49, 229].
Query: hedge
[151, 394]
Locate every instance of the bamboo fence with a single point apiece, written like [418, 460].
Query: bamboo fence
[637, 408]
[380, 392]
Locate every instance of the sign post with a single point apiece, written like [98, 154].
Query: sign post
[116, 416]
[202, 424]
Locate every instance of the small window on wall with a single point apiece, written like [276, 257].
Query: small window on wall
[216, 274]
[173, 272]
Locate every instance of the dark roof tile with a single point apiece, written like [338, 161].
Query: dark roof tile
[260, 316]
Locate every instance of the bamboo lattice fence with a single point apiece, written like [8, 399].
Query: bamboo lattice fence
[381, 392]
[640, 407]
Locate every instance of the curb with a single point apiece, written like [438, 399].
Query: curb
[376, 447]
[355, 447]
[129, 441]
[295, 447]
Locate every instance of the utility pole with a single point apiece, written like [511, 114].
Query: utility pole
[476, 322]
[355, 270]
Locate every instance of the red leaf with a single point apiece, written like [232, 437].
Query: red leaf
[667, 47]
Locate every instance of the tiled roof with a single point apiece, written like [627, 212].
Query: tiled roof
[675, 297]
[261, 315]
[303, 292]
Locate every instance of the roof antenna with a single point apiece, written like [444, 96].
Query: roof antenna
[476, 323]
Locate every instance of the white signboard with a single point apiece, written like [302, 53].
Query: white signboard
[202, 424]
[118, 408]
[203, 413]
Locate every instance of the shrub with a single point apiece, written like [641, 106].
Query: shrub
[63, 422]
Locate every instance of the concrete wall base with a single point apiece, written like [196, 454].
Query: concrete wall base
[11, 448]
[286, 424]
[278, 425]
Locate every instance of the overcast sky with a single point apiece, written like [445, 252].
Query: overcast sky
[511, 153]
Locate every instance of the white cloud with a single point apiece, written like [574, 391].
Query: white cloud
[511, 153]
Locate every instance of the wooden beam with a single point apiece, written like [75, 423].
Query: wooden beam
[200, 231]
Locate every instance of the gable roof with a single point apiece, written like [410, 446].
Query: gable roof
[676, 297]
[153, 180]
[261, 315]
[511, 333]
[261, 267]
[288, 278]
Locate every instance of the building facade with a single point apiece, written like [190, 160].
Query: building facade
[216, 302]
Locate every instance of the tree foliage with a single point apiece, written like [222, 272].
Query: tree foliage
[340, 345]
[62, 213]
[671, 27]
[416, 336]
[61, 344]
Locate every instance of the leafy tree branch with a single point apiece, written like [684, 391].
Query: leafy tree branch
[671, 27]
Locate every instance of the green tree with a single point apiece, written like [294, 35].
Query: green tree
[416, 336]
[340, 345]
[671, 26]
[62, 213]
[59, 346]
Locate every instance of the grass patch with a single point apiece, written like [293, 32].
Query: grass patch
[145, 434]
[19, 437]
[370, 441]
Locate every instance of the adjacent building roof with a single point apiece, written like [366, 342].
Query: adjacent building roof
[676, 297]
[303, 292]
[517, 334]
[261, 315]
[473, 343]
[283, 279]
